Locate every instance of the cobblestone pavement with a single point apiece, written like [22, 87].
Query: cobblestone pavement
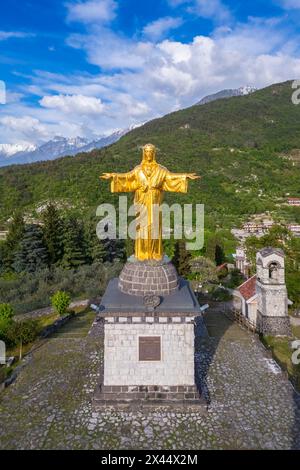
[252, 405]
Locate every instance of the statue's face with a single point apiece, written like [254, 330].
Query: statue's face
[149, 153]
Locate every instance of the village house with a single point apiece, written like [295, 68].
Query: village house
[294, 201]
[3, 234]
[295, 229]
[241, 261]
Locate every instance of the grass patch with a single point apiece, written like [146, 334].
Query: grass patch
[296, 331]
[281, 350]
[47, 320]
[282, 353]
[78, 326]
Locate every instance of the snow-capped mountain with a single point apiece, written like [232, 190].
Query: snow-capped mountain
[243, 90]
[7, 150]
[58, 147]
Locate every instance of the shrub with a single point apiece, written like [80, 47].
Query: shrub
[221, 295]
[236, 279]
[6, 319]
[60, 302]
[6, 312]
[23, 332]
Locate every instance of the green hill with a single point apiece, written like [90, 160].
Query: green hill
[241, 146]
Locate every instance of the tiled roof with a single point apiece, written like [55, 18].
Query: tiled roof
[248, 288]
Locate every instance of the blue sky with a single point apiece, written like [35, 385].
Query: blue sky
[86, 68]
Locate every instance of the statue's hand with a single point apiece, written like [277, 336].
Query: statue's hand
[193, 176]
[107, 176]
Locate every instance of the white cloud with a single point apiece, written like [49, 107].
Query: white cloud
[73, 104]
[25, 127]
[129, 106]
[140, 79]
[213, 9]
[111, 51]
[158, 28]
[93, 11]
[289, 4]
[176, 3]
[4, 35]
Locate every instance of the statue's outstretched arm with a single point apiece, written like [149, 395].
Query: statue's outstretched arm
[192, 176]
[121, 182]
[177, 182]
[107, 176]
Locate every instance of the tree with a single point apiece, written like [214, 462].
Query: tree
[60, 302]
[182, 258]
[214, 250]
[129, 247]
[53, 233]
[6, 319]
[32, 254]
[204, 269]
[3, 257]
[95, 248]
[22, 332]
[15, 234]
[115, 249]
[219, 255]
[75, 249]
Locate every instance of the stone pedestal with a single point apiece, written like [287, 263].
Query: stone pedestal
[148, 277]
[149, 338]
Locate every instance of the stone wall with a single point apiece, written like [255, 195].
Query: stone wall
[122, 365]
[183, 394]
[274, 326]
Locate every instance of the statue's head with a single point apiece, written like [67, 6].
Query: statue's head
[149, 152]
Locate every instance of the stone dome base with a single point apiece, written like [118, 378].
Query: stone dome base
[148, 277]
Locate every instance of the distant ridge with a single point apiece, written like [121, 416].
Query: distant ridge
[57, 147]
[228, 93]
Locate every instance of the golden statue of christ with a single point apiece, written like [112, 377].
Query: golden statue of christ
[148, 181]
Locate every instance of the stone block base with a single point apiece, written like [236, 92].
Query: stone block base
[146, 394]
[274, 326]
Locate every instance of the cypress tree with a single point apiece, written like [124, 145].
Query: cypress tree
[114, 249]
[53, 233]
[219, 255]
[2, 256]
[75, 252]
[15, 234]
[182, 258]
[32, 254]
[214, 250]
[95, 248]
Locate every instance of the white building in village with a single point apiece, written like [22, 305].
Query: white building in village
[241, 261]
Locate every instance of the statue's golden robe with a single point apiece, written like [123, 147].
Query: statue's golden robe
[148, 185]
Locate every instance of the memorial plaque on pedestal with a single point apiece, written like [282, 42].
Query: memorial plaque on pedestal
[149, 348]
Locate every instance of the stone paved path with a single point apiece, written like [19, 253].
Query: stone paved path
[252, 405]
